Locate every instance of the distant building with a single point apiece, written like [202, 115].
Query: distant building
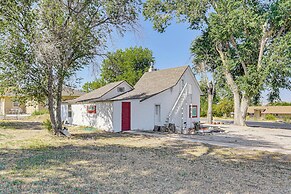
[10, 105]
[262, 111]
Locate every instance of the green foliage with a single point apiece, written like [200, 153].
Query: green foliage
[41, 112]
[270, 117]
[89, 86]
[129, 65]
[222, 105]
[280, 104]
[223, 108]
[256, 100]
[287, 119]
[44, 42]
[48, 125]
[203, 106]
[246, 43]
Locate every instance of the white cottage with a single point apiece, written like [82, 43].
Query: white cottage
[158, 98]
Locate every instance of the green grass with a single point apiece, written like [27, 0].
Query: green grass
[270, 117]
[41, 112]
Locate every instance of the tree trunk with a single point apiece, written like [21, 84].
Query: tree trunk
[237, 109]
[240, 109]
[244, 108]
[59, 103]
[210, 93]
[240, 103]
[51, 99]
[52, 111]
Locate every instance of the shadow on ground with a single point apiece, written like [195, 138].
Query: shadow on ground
[21, 125]
[100, 135]
[168, 168]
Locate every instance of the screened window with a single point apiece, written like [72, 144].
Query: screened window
[193, 111]
[120, 89]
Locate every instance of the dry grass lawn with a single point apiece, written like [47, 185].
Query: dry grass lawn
[34, 161]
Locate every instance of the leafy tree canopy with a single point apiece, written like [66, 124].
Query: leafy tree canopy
[129, 65]
[249, 42]
[89, 86]
[44, 42]
[280, 104]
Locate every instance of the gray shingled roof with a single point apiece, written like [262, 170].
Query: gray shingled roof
[152, 83]
[96, 94]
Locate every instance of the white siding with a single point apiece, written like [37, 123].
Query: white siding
[64, 112]
[142, 113]
[108, 116]
[2, 107]
[101, 120]
[113, 93]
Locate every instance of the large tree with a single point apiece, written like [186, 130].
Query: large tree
[128, 64]
[251, 39]
[44, 42]
[205, 60]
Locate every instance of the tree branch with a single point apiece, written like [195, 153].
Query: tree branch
[228, 76]
[233, 42]
[262, 45]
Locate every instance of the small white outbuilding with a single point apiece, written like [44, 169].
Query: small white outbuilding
[158, 98]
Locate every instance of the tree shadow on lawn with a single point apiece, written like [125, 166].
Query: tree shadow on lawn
[124, 169]
[223, 138]
[101, 135]
[21, 125]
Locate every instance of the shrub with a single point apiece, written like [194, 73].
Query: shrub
[48, 125]
[203, 106]
[287, 119]
[280, 104]
[270, 117]
[223, 108]
[40, 112]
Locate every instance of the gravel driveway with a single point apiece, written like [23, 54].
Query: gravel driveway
[250, 138]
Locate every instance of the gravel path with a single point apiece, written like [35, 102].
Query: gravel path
[250, 138]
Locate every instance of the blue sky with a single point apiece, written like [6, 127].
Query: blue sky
[170, 49]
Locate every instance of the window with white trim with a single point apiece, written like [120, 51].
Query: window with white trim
[193, 111]
[91, 109]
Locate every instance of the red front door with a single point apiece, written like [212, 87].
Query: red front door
[125, 116]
